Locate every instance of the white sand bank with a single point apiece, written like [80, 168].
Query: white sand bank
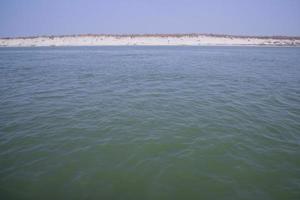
[113, 40]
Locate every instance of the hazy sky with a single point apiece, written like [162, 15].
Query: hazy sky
[246, 17]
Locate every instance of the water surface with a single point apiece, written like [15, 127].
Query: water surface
[150, 123]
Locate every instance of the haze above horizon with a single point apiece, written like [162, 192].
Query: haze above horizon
[234, 17]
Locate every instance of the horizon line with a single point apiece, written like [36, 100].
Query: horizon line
[157, 35]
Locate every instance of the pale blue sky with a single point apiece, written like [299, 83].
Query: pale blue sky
[57, 17]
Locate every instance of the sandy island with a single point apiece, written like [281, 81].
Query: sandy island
[150, 40]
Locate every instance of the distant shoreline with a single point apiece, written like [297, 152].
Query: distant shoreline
[150, 40]
[158, 35]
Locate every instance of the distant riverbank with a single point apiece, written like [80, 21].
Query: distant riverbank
[149, 39]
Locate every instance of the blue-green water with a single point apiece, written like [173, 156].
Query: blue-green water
[150, 123]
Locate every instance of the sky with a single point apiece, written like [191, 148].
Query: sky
[62, 17]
